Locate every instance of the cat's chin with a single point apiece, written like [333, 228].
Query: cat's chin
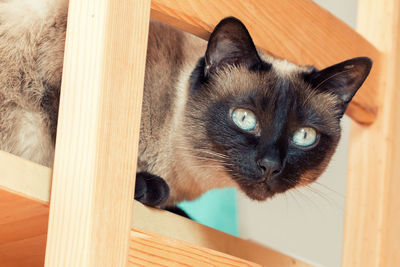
[257, 191]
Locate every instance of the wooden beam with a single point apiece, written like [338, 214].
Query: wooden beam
[172, 227]
[23, 230]
[23, 219]
[371, 233]
[25, 177]
[97, 135]
[298, 30]
[149, 249]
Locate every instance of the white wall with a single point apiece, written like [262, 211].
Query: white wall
[306, 223]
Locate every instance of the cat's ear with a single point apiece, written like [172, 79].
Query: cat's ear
[230, 44]
[343, 79]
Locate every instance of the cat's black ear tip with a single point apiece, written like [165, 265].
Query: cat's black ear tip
[363, 64]
[230, 19]
[233, 21]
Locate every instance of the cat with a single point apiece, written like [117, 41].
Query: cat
[215, 114]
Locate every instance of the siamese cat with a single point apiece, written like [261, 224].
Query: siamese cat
[215, 114]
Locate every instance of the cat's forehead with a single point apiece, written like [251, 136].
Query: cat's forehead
[282, 67]
[280, 79]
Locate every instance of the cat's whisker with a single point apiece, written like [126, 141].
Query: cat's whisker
[330, 189]
[295, 199]
[298, 191]
[204, 154]
[220, 161]
[204, 158]
[214, 154]
[209, 166]
[287, 205]
[330, 201]
[199, 150]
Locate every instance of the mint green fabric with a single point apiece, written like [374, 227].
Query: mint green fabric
[217, 209]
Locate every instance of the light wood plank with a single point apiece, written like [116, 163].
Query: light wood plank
[173, 227]
[25, 218]
[97, 137]
[298, 30]
[23, 230]
[148, 249]
[33, 179]
[371, 233]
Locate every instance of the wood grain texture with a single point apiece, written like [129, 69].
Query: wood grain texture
[149, 249]
[97, 136]
[179, 228]
[298, 30]
[23, 226]
[372, 232]
[23, 230]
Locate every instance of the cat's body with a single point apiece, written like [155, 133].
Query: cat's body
[32, 37]
[192, 94]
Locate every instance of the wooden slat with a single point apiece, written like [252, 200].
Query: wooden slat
[23, 230]
[24, 217]
[24, 211]
[298, 30]
[372, 232]
[177, 227]
[149, 249]
[33, 179]
[97, 137]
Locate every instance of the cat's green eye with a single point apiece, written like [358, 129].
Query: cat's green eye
[305, 137]
[245, 119]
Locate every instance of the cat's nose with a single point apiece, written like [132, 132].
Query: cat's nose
[269, 167]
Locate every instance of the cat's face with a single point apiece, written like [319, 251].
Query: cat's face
[270, 124]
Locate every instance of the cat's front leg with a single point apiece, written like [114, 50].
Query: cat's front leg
[151, 189]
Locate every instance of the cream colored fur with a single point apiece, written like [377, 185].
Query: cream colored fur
[32, 36]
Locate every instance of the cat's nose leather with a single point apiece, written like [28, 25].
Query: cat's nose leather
[269, 167]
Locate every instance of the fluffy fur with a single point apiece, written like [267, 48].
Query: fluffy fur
[187, 136]
[31, 55]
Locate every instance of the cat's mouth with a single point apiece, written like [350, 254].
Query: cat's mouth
[257, 191]
[261, 190]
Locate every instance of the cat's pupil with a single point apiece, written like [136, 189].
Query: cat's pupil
[245, 119]
[305, 136]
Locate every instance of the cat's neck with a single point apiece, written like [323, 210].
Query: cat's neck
[190, 176]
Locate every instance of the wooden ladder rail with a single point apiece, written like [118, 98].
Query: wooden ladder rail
[83, 166]
[372, 216]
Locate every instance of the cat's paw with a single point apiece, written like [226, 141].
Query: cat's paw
[151, 189]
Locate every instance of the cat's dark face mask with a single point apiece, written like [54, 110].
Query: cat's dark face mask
[270, 124]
